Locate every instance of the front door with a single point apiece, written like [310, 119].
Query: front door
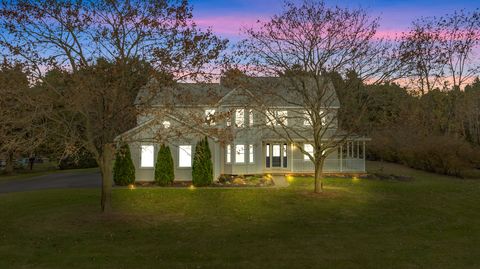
[276, 155]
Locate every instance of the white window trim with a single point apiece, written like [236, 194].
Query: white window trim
[180, 150]
[151, 160]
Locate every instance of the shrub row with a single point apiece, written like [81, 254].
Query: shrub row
[438, 154]
[202, 167]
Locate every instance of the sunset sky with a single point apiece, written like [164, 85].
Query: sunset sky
[227, 16]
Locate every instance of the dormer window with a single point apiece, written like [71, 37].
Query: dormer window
[240, 118]
[210, 117]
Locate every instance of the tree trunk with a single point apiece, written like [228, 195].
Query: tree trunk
[318, 176]
[106, 167]
[9, 164]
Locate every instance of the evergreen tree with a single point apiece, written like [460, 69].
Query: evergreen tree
[164, 168]
[208, 162]
[123, 168]
[202, 168]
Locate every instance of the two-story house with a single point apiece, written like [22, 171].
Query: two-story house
[241, 136]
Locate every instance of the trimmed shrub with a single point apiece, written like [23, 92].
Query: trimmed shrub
[202, 168]
[208, 161]
[164, 168]
[123, 168]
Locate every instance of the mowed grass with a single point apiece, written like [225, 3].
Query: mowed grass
[430, 222]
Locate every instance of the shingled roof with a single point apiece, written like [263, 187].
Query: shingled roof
[276, 90]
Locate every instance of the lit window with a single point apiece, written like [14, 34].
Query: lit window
[250, 153]
[309, 149]
[306, 119]
[323, 117]
[166, 124]
[276, 117]
[210, 116]
[240, 153]
[185, 156]
[240, 118]
[250, 117]
[229, 154]
[282, 117]
[229, 119]
[146, 159]
[270, 119]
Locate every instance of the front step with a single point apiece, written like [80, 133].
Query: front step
[280, 181]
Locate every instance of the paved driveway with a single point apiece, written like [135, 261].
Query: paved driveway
[54, 181]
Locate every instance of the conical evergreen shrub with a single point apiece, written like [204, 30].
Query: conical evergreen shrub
[202, 167]
[123, 168]
[164, 168]
[208, 162]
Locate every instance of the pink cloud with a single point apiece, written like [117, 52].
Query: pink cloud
[230, 25]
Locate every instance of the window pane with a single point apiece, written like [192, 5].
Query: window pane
[146, 159]
[270, 118]
[229, 119]
[282, 117]
[276, 150]
[323, 116]
[229, 154]
[309, 149]
[240, 117]
[306, 119]
[250, 117]
[267, 155]
[240, 153]
[185, 156]
[285, 163]
[210, 116]
[276, 156]
[250, 153]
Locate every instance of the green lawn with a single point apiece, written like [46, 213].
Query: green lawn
[430, 222]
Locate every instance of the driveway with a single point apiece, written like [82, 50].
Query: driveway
[54, 181]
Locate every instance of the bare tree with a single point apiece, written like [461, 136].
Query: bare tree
[421, 55]
[303, 45]
[440, 52]
[21, 119]
[100, 45]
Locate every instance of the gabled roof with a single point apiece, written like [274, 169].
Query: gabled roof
[277, 91]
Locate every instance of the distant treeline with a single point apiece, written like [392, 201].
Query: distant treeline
[437, 131]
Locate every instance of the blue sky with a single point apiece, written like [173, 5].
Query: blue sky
[227, 16]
